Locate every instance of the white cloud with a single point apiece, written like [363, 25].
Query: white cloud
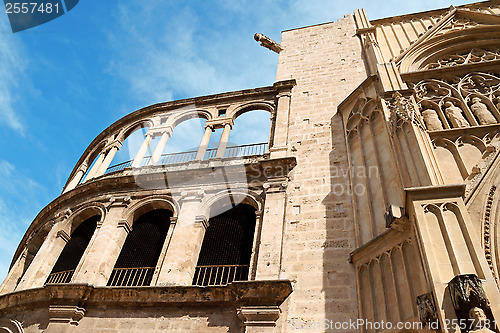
[12, 67]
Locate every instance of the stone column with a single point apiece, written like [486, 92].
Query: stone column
[9, 284]
[104, 251]
[269, 261]
[142, 151]
[221, 149]
[109, 158]
[204, 143]
[182, 254]
[96, 166]
[259, 319]
[41, 266]
[282, 115]
[76, 179]
[160, 147]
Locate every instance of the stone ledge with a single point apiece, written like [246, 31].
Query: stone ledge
[241, 293]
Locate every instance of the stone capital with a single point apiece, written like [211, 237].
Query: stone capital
[220, 123]
[115, 144]
[275, 185]
[160, 130]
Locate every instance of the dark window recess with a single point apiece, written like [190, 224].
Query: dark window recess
[73, 251]
[227, 247]
[222, 112]
[142, 248]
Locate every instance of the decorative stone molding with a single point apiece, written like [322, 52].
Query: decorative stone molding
[426, 308]
[462, 287]
[259, 315]
[10, 326]
[472, 56]
[474, 97]
[192, 195]
[63, 215]
[125, 225]
[276, 185]
[119, 201]
[403, 109]
[71, 314]
[487, 230]
[201, 219]
[114, 144]
[64, 235]
[158, 131]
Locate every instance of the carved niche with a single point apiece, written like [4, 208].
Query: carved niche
[451, 102]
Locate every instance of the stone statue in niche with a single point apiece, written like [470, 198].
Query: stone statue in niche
[455, 115]
[481, 111]
[480, 321]
[431, 119]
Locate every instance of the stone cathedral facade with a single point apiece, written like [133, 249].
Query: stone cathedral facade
[373, 206]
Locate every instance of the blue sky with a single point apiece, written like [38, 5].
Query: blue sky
[65, 81]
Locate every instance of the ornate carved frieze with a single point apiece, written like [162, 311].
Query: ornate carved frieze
[426, 308]
[462, 287]
[473, 56]
[454, 102]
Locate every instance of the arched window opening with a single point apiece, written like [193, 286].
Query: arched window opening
[250, 134]
[227, 247]
[139, 256]
[129, 149]
[73, 251]
[183, 145]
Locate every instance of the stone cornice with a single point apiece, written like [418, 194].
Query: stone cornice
[241, 293]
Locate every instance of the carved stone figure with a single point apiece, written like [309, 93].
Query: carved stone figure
[455, 116]
[480, 321]
[497, 102]
[482, 113]
[432, 121]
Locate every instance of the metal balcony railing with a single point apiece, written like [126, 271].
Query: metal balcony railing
[60, 277]
[131, 277]
[235, 151]
[219, 275]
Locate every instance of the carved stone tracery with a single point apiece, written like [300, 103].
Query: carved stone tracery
[473, 56]
[471, 100]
